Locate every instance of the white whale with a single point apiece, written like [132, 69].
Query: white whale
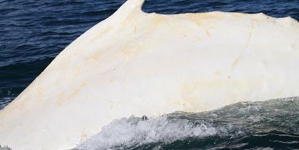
[135, 63]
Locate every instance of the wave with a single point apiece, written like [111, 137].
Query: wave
[4, 148]
[248, 125]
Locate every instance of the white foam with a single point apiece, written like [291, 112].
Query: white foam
[4, 148]
[135, 131]
[4, 102]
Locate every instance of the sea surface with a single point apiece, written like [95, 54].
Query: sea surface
[33, 32]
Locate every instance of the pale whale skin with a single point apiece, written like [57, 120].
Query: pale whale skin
[135, 63]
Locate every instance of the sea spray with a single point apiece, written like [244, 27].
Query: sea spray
[247, 125]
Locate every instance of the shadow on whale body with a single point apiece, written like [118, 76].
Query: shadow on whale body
[137, 63]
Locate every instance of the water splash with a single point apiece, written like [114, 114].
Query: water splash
[248, 125]
[4, 148]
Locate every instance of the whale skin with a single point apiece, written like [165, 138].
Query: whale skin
[137, 63]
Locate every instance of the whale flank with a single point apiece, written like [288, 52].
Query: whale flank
[162, 67]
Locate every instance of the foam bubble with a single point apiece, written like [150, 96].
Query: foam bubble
[4, 148]
[136, 131]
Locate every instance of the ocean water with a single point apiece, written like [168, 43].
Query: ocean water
[32, 33]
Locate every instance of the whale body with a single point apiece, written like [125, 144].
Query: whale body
[137, 63]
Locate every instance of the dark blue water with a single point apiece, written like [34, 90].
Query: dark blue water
[33, 32]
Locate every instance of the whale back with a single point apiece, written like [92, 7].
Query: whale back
[136, 63]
